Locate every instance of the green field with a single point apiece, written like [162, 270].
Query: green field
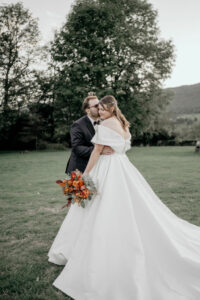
[191, 116]
[31, 209]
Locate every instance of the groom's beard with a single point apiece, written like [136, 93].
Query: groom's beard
[95, 115]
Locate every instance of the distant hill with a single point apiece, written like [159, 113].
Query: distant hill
[186, 99]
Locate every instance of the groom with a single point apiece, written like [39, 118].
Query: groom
[82, 131]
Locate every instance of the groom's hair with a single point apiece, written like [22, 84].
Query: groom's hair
[85, 104]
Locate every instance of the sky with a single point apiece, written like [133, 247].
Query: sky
[177, 19]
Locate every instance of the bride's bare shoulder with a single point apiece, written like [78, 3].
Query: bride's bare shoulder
[114, 123]
[110, 122]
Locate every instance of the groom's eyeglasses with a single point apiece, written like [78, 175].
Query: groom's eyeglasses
[96, 105]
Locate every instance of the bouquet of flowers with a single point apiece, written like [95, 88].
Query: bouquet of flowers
[78, 188]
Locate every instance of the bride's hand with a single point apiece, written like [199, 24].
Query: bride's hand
[107, 150]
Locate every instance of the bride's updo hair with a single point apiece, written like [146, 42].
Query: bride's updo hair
[111, 102]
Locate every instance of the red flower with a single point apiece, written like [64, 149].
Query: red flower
[58, 181]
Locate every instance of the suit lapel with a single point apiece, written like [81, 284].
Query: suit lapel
[89, 126]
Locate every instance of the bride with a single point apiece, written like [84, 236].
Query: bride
[126, 244]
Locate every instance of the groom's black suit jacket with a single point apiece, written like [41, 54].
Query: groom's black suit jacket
[81, 133]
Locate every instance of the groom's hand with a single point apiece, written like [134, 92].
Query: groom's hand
[107, 150]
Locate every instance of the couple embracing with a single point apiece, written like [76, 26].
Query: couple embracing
[84, 129]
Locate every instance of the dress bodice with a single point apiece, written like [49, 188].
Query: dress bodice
[109, 137]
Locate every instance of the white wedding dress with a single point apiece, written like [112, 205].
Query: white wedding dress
[126, 244]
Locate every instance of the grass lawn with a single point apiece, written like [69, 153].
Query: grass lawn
[31, 209]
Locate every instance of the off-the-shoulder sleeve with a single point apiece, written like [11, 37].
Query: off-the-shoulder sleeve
[101, 137]
[108, 137]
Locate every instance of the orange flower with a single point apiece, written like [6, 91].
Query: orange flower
[73, 175]
[70, 189]
[81, 183]
[69, 182]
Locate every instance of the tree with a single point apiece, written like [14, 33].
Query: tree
[18, 40]
[112, 47]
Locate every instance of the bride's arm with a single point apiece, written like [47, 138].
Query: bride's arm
[93, 158]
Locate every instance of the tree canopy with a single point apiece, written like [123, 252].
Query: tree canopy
[18, 39]
[112, 47]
